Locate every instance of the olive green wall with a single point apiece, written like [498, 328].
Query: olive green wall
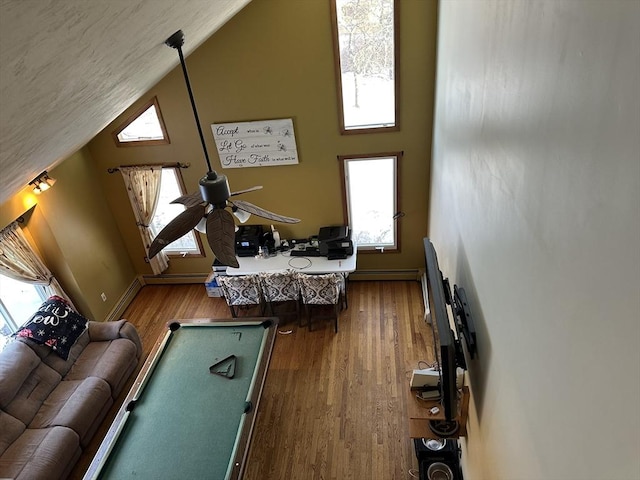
[75, 234]
[274, 59]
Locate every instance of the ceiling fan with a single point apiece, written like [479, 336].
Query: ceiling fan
[209, 205]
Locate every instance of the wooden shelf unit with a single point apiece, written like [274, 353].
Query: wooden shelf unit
[419, 415]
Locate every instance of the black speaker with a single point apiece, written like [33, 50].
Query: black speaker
[437, 470]
[438, 459]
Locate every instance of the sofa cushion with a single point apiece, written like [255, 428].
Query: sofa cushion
[32, 393]
[110, 361]
[10, 429]
[103, 331]
[43, 453]
[17, 361]
[55, 324]
[75, 404]
[54, 360]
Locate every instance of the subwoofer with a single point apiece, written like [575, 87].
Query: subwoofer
[438, 459]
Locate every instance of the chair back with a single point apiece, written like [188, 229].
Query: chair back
[279, 286]
[320, 289]
[241, 289]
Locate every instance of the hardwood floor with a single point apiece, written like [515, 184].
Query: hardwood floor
[333, 405]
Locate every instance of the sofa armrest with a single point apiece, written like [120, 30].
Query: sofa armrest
[129, 331]
[105, 331]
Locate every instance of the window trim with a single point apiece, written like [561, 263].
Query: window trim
[6, 314]
[342, 159]
[199, 244]
[142, 143]
[338, 74]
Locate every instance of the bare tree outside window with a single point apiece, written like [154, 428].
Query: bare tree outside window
[366, 55]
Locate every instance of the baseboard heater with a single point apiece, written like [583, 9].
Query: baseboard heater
[177, 278]
[168, 279]
[406, 274]
[425, 296]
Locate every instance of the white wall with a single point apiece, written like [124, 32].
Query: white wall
[535, 210]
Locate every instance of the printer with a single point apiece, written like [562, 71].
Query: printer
[335, 242]
[248, 240]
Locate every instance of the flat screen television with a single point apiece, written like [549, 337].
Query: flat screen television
[448, 349]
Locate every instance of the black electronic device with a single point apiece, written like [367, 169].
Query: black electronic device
[248, 240]
[334, 233]
[448, 348]
[464, 321]
[306, 252]
[335, 242]
[437, 449]
[438, 458]
[440, 470]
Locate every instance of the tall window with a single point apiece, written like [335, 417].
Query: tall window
[171, 188]
[366, 53]
[18, 301]
[371, 199]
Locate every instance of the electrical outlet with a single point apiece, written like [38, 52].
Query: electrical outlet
[103, 297]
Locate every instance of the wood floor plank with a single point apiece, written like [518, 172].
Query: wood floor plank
[334, 406]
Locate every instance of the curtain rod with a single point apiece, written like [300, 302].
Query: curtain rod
[162, 165]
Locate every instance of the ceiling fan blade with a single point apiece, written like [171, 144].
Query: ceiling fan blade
[176, 228]
[261, 212]
[189, 200]
[247, 190]
[222, 236]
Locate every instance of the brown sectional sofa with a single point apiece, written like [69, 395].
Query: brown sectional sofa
[51, 408]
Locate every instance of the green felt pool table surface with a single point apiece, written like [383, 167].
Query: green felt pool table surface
[180, 420]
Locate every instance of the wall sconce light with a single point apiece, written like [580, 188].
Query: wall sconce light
[42, 182]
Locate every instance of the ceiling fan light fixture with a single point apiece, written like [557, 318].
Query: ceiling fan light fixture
[202, 225]
[241, 214]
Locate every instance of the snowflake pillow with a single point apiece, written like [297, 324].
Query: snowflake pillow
[56, 325]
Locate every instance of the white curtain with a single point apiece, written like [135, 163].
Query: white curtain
[143, 188]
[19, 261]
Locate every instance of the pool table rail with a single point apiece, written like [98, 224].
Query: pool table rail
[242, 442]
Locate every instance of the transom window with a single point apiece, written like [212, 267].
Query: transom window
[171, 187]
[371, 199]
[144, 127]
[366, 55]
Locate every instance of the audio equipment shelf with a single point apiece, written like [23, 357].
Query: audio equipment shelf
[421, 414]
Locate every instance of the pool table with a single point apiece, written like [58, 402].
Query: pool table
[192, 408]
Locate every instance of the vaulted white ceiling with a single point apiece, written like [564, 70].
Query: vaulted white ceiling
[68, 68]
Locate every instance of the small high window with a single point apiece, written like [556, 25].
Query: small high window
[371, 199]
[366, 55]
[144, 127]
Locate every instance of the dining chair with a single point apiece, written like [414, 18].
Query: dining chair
[321, 290]
[242, 292]
[344, 282]
[279, 290]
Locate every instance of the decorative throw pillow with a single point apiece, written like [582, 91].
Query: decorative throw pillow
[56, 325]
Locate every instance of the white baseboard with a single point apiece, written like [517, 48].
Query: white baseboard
[126, 298]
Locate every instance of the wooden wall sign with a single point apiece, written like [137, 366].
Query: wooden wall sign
[264, 143]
